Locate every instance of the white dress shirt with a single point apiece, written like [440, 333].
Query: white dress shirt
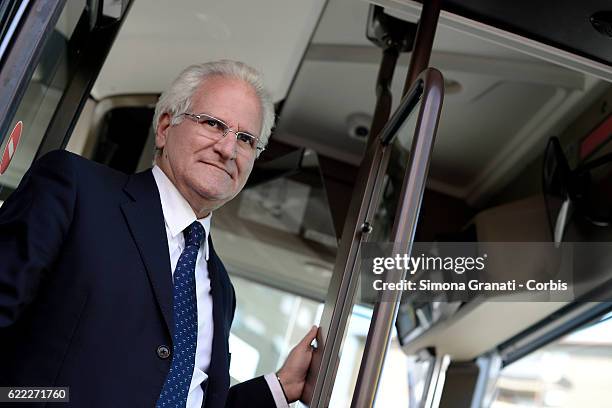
[178, 215]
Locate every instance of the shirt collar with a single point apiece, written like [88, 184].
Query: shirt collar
[178, 214]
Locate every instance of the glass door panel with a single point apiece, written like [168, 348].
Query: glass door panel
[48, 63]
[362, 223]
[41, 98]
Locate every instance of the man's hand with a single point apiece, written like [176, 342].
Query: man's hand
[292, 374]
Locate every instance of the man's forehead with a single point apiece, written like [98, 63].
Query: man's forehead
[218, 84]
[217, 94]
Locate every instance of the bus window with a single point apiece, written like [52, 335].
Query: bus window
[570, 372]
[279, 245]
[10, 14]
[267, 323]
[41, 97]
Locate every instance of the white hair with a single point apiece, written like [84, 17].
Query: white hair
[177, 98]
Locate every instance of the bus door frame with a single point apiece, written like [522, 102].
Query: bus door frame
[22, 51]
[93, 37]
[364, 204]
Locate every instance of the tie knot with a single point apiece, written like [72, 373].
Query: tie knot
[194, 234]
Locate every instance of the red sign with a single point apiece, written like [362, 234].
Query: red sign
[11, 146]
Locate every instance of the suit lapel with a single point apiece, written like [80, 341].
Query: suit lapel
[218, 370]
[145, 219]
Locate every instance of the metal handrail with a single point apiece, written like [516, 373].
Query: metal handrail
[403, 233]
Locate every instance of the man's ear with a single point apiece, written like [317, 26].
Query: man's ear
[161, 133]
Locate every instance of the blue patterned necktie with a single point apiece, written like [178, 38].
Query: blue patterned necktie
[175, 390]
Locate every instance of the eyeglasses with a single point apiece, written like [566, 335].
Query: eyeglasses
[215, 129]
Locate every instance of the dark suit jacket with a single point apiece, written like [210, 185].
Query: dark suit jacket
[86, 290]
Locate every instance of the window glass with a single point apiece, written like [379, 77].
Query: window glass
[394, 389]
[394, 381]
[570, 372]
[278, 231]
[8, 11]
[42, 95]
[351, 354]
[278, 243]
[267, 323]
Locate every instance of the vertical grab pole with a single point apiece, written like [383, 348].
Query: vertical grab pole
[404, 227]
[423, 43]
[394, 36]
[382, 110]
[338, 305]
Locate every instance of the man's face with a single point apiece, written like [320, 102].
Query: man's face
[209, 173]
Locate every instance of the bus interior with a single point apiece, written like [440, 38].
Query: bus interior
[525, 85]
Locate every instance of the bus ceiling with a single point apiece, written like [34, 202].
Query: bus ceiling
[574, 34]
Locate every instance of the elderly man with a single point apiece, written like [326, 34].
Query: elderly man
[110, 284]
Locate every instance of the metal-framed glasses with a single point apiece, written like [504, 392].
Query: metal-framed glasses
[215, 129]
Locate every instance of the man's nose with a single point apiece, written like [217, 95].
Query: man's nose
[227, 146]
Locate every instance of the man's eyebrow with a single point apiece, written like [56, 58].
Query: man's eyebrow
[246, 131]
[227, 124]
[216, 117]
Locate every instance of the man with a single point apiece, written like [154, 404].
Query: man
[110, 284]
